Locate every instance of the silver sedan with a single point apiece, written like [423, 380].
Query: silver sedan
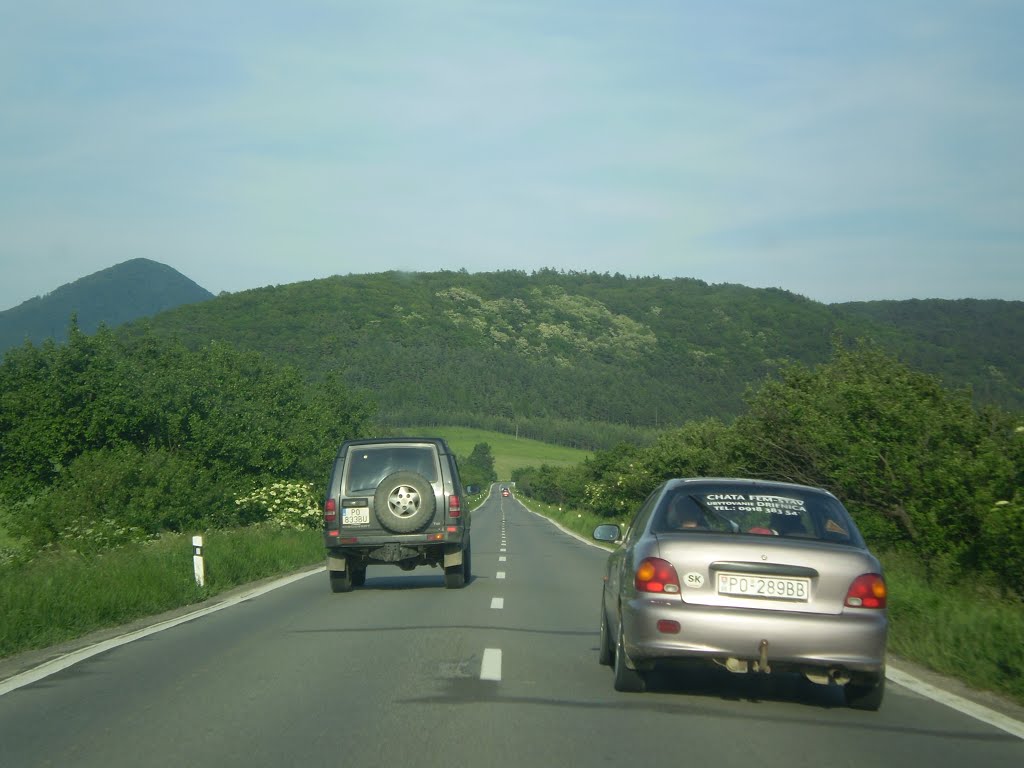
[754, 576]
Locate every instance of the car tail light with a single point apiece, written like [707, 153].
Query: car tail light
[454, 506]
[656, 575]
[330, 511]
[867, 591]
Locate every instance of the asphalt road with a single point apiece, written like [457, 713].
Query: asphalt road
[404, 672]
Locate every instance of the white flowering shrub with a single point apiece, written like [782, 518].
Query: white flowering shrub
[90, 535]
[287, 504]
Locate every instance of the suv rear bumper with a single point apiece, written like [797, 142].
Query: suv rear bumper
[443, 549]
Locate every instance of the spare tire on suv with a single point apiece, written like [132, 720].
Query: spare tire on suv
[395, 501]
[404, 502]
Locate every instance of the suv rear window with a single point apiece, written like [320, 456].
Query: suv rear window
[367, 466]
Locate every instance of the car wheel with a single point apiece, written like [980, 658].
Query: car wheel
[866, 694]
[341, 581]
[605, 653]
[404, 502]
[626, 679]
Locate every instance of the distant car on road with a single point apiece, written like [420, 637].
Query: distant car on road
[505, 492]
[751, 575]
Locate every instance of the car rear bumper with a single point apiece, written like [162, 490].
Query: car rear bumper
[854, 640]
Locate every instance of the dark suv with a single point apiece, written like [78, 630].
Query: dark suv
[395, 501]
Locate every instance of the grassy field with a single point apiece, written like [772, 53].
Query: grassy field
[509, 452]
[59, 595]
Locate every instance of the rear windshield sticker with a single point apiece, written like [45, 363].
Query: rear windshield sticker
[738, 502]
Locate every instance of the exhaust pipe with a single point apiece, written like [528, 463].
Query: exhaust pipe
[834, 675]
[839, 676]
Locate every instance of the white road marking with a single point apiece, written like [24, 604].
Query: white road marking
[960, 704]
[502, 559]
[501, 575]
[497, 603]
[63, 662]
[490, 668]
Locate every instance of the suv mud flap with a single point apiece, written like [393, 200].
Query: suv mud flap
[452, 555]
[336, 562]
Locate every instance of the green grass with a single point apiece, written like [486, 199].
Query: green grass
[60, 596]
[963, 630]
[509, 451]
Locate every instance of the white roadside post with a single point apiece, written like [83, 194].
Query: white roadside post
[197, 560]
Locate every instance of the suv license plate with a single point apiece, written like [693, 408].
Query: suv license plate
[355, 516]
[764, 587]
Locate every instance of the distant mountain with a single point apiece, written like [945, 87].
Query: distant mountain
[505, 349]
[128, 291]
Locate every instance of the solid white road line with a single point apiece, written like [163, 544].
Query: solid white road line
[959, 703]
[490, 668]
[63, 662]
[497, 603]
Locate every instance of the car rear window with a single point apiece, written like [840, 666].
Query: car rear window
[767, 512]
[367, 466]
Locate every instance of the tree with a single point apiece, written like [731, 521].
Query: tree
[478, 467]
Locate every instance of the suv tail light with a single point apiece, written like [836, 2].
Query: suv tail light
[454, 506]
[867, 591]
[330, 511]
[656, 575]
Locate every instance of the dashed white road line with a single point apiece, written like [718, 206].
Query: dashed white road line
[500, 575]
[502, 559]
[497, 603]
[490, 668]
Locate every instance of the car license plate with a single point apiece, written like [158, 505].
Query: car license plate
[355, 516]
[764, 587]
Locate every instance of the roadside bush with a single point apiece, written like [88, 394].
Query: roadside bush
[1002, 542]
[112, 496]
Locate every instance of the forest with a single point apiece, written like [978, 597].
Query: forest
[584, 359]
[923, 471]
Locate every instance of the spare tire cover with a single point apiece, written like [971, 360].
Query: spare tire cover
[404, 502]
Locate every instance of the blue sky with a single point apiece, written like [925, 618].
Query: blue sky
[841, 151]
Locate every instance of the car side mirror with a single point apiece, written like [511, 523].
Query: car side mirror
[607, 532]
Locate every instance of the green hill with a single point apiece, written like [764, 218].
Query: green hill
[549, 353]
[111, 297]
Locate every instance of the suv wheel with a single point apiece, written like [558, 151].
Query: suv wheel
[359, 576]
[404, 502]
[341, 581]
[457, 576]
